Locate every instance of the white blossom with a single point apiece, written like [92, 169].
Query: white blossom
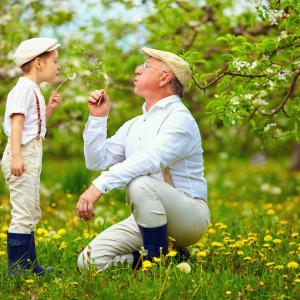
[275, 190]
[235, 100]
[5, 19]
[283, 74]
[283, 35]
[253, 65]
[269, 126]
[259, 102]
[248, 96]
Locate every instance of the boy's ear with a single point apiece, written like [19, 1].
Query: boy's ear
[38, 62]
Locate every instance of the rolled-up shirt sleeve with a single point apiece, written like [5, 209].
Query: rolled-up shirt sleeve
[170, 145]
[101, 152]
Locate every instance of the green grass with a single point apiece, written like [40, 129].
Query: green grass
[246, 254]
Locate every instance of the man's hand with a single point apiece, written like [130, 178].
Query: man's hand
[86, 202]
[99, 103]
[17, 166]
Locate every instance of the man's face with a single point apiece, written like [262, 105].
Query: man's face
[147, 79]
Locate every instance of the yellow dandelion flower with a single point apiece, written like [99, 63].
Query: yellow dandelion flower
[294, 234]
[29, 281]
[277, 241]
[279, 267]
[61, 231]
[228, 293]
[171, 239]
[266, 245]
[62, 245]
[297, 280]
[261, 283]
[184, 267]
[69, 196]
[156, 259]
[172, 253]
[2, 235]
[293, 265]
[202, 253]
[270, 212]
[42, 231]
[217, 244]
[228, 240]
[269, 264]
[199, 244]
[283, 222]
[247, 258]
[268, 238]
[146, 264]
[240, 253]
[2, 253]
[280, 232]
[211, 231]
[4, 228]
[56, 236]
[292, 243]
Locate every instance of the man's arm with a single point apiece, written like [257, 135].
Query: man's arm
[171, 144]
[99, 151]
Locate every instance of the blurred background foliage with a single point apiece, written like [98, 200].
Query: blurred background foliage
[245, 58]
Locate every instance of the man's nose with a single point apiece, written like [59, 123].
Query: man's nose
[138, 70]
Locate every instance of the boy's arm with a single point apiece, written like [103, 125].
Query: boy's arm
[54, 101]
[17, 164]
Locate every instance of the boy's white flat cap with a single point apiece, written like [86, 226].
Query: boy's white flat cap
[30, 49]
[179, 67]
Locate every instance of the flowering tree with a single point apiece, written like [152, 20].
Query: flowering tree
[245, 60]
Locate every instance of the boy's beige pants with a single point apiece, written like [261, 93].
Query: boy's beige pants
[24, 190]
[153, 204]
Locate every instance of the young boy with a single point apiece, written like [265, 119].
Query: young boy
[25, 125]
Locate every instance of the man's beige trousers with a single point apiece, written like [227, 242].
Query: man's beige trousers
[24, 190]
[153, 203]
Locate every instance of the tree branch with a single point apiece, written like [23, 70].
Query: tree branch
[225, 73]
[285, 99]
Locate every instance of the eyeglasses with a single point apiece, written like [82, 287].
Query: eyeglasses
[146, 65]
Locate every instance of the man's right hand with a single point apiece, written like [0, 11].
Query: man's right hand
[99, 103]
[17, 166]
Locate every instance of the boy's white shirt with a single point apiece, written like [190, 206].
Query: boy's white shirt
[21, 99]
[143, 151]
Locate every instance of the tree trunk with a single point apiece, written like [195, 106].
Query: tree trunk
[295, 165]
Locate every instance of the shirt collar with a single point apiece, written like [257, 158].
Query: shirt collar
[162, 103]
[28, 81]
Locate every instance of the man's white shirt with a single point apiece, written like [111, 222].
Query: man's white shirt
[21, 99]
[165, 136]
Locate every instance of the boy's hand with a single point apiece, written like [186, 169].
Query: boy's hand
[54, 101]
[17, 166]
[99, 103]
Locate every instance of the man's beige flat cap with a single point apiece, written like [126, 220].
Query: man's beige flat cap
[179, 67]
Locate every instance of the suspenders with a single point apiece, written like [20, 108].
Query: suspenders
[166, 173]
[38, 108]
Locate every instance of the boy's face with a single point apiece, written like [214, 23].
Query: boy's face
[50, 67]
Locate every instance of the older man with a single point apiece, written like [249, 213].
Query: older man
[158, 156]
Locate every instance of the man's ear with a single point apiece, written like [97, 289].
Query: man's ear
[165, 78]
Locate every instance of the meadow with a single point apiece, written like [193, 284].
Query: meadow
[251, 250]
